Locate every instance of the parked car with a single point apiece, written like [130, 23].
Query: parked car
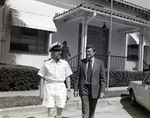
[140, 92]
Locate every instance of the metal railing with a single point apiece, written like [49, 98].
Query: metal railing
[116, 62]
[146, 67]
[73, 62]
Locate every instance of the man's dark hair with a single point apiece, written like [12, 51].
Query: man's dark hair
[65, 42]
[91, 46]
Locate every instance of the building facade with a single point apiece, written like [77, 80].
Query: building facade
[29, 31]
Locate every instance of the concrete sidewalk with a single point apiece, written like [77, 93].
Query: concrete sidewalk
[37, 93]
[72, 108]
[20, 93]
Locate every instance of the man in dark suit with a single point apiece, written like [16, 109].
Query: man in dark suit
[90, 79]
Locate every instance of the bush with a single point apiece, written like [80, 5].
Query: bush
[22, 78]
[18, 78]
[119, 78]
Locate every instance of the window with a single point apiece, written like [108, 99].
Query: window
[29, 40]
[133, 52]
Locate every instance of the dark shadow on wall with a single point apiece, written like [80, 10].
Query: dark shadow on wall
[11, 14]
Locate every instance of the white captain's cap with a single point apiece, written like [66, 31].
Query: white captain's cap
[55, 46]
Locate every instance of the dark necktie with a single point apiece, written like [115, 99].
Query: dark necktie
[89, 71]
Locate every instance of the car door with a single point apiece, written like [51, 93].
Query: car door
[144, 92]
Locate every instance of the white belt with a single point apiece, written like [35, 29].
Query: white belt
[51, 81]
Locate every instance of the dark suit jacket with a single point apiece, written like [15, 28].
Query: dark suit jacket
[98, 78]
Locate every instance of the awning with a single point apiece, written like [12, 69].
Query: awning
[32, 20]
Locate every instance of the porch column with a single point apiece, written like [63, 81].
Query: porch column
[109, 46]
[84, 35]
[2, 36]
[140, 51]
[85, 23]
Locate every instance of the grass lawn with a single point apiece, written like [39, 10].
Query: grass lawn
[19, 101]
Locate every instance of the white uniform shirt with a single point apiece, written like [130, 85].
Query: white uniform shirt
[55, 89]
[56, 72]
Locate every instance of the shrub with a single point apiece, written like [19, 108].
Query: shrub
[118, 78]
[18, 78]
[21, 78]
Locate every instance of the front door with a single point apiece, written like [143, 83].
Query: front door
[99, 38]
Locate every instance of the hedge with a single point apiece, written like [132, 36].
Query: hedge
[119, 78]
[21, 78]
[18, 78]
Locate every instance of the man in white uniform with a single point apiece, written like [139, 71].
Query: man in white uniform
[55, 71]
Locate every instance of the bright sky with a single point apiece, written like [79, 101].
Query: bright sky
[34, 6]
[143, 3]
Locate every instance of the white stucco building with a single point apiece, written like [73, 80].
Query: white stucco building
[31, 26]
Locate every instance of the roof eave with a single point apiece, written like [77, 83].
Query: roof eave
[105, 12]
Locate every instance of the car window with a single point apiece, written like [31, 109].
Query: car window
[147, 80]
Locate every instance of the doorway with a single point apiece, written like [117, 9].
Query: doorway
[98, 38]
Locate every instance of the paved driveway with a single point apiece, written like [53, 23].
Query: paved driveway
[120, 109]
[114, 108]
[106, 108]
